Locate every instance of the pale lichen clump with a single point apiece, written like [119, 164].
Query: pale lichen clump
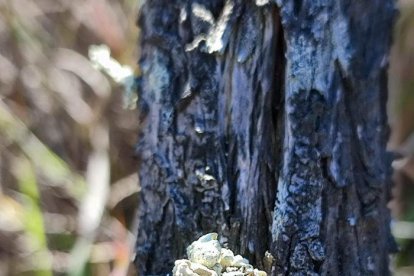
[207, 258]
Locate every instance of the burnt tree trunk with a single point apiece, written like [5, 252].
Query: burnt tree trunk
[265, 121]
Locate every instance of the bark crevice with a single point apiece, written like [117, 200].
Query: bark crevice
[265, 121]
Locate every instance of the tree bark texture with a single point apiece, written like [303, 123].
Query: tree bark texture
[265, 121]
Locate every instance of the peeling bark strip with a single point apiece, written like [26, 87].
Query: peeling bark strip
[265, 122]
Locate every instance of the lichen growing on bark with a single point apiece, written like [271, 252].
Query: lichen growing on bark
[207, 258]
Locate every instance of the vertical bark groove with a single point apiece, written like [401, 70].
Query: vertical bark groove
[265, 121]
[210, 160]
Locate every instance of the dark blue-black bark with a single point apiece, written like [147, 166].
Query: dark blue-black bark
[265, 122]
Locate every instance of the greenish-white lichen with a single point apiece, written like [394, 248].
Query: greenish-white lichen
[207, 258]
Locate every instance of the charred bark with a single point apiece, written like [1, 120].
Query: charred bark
[266, 122]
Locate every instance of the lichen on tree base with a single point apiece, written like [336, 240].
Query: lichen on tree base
[207, 258]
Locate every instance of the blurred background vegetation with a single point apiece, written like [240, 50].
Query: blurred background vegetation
[68, 183]
[401, 117]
